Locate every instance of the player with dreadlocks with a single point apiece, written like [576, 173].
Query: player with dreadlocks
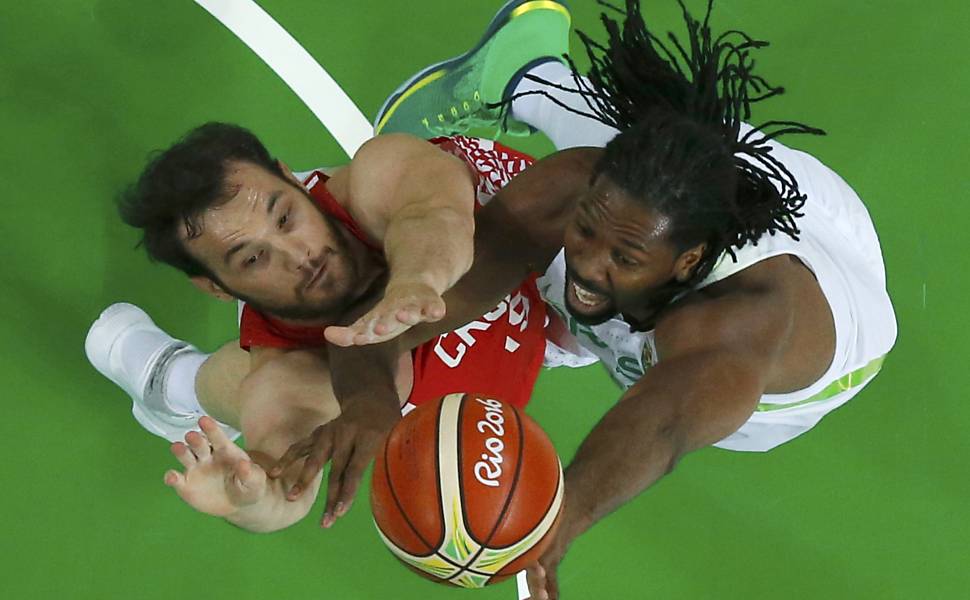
[733, 287]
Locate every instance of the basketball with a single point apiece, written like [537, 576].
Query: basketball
[467, 490]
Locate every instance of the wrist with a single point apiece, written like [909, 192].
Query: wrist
[436, 282]
[579, 512]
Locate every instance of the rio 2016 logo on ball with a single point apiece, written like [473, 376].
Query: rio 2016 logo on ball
[467, 490]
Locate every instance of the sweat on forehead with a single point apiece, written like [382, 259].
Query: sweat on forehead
[610, 203]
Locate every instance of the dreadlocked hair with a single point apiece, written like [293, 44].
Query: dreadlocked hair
[679, 109]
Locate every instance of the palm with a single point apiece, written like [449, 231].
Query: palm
[401, 308]
[219, 478]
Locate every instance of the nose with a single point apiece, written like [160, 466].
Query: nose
[296, 253]
[588, 261]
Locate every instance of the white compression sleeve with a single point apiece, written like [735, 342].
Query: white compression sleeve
[564, 128]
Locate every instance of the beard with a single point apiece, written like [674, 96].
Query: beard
[641, 312]
[328, 312]
[590, 319]
[347, 294]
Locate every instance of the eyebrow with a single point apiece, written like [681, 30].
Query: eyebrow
[587, 210]
[634, 245]
[233, 250]
[271, 204]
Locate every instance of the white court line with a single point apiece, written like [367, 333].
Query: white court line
[285, 56]
[522, 584]
[312, 85]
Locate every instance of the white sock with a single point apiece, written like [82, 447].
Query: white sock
[179, 385]
[565, 129]
[176, 371]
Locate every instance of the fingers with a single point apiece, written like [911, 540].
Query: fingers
[433, 311]
[294, 453]
[389, 319]
[351, 482]
[248, 476]
[174, 479]
[536, 577]
[217, 437]
[552, 584]
[318, 456]
[184, 455]
[198, 444]
[340, 336]
[342, 451]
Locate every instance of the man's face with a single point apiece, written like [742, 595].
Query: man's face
[271, 246]
[618, 256]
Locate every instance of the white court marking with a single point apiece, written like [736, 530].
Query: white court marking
[304, 75]
[312, 85]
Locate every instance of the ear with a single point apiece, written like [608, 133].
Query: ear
[288, 173]
[211, 288]
[687, 262]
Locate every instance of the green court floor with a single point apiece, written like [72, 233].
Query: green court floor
[871, 504]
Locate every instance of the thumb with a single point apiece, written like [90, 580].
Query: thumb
[248, 476]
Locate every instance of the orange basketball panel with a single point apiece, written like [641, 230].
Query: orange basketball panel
[404, 489]
[490, 445]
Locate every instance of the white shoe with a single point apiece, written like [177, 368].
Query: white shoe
[105, 349]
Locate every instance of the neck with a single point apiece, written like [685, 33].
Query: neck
[644, 318]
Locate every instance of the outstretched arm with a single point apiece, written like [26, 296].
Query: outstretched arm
[518, 232]
[419, 201]
[715, 361]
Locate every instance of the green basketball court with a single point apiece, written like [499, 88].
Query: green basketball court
[871, 504]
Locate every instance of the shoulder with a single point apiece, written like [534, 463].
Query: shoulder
[539, 202]
[749, 314]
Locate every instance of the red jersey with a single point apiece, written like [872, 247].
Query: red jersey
[499, 354]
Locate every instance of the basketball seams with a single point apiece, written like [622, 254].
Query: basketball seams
[432, 549]
[461, 466]
[553, 500]
[455, 559]
[508, 498]
[515, 479]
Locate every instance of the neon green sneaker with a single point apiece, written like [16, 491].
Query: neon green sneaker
[454, 95]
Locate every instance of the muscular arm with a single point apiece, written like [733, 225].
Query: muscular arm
[518, 232]
[420, 202]
[716, 357]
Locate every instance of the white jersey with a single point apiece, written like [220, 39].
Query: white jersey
[839, 244]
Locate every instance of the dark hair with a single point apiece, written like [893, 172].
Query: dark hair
[679, 110]
[682, 170]
[178, 184]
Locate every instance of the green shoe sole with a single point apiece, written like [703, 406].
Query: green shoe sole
[440, 100]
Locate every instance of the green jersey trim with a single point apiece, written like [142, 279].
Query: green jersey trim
[842, 384]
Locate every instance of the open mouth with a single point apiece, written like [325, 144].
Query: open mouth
[585, 300]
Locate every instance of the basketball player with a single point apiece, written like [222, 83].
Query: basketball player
[304, 253]
[733, 287]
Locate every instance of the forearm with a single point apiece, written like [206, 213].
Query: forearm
[681, 405]
[367, 373]
[429, 245]
[629, 450]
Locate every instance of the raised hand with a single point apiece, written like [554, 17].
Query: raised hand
[350, 442]
[220, 478]
[403, 306]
